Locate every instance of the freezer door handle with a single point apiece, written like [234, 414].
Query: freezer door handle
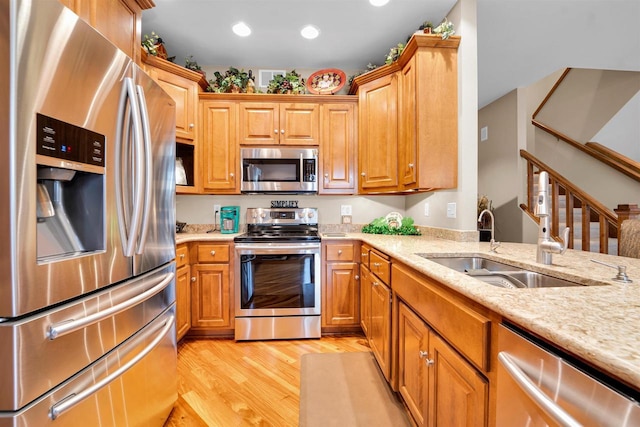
[544, 402]
[148, 170]
[73, 399]
[133, 167]
[66, 327]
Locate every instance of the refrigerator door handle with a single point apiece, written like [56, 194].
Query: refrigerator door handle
[66, 327]
[128, 97]
[72, 400]
[148, 160]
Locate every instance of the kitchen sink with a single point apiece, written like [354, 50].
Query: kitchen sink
[499, 274]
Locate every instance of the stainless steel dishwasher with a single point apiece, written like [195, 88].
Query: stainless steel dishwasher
[540, 386]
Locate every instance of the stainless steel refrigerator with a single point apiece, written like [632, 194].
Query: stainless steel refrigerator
[87, 226]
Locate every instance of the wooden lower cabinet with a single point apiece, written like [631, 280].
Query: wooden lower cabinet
[212, 290]
[365, 300]
[380, 327]
[341, 287]
[183, 301]
[438, 385]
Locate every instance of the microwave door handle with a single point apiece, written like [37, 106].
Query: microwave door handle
[301, 170]
[148, 169]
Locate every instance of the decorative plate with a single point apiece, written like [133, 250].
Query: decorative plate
[326, 82]
[393, 219]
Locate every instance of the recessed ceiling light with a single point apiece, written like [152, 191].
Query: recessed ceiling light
[309, 32]
[378, 3]
[241, 29]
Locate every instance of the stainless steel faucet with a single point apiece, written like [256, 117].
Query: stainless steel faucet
[546, 245]
[493, 245]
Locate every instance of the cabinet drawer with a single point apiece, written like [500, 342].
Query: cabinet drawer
[182, 255]
[467, 330]
[340, 252]
[213, 253]
[380, 266]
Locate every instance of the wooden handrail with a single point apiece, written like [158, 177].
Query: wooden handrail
[592, 210]
[611, 158]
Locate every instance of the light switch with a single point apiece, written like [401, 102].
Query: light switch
[426, 209]
[484, 133]
[451, 210]
[345, 210]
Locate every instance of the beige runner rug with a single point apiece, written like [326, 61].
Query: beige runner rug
[347, 389]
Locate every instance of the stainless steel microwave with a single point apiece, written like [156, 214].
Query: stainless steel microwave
[290, 170]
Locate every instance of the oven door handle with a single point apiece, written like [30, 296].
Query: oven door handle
[278, 249]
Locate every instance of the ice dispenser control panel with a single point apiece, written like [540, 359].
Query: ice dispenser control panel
[68, 142]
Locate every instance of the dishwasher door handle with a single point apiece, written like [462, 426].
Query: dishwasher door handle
[548, 405]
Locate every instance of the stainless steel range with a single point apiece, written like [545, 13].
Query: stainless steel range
[277, 270]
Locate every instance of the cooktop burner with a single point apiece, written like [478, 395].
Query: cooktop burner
[281, 225]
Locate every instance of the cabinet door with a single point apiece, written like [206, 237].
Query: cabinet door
[183, 301]
[380, 332]
[407, 139]
[211, 297]
[459, 394]
[378, 135]
[219, 141]
[365, 300]
[185, 94]
[259, 123]
[413, 347]
[299, 124]
[341, 295]
[338, 161]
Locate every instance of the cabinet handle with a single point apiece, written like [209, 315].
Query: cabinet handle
[193, 279]
[364, 255]
[282, 131]
[339, 251]
[275, 131]
[181, 256]
[362, 174]
[411, 165]
[231, 175]
[213, 253]
[429, 362]
[191, 125]
[376, 264]
[423, 354]
[357, 277]
[375, 283]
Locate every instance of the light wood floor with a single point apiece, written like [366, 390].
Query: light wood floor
[222, 382]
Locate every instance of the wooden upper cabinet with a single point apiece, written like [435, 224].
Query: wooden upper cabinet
[428, 112]
[117, 20]
[271, 123]
[220, 147]
[408, 130]
[338, 149]
[378, 135]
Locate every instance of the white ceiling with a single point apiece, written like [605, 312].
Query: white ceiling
[519, 41]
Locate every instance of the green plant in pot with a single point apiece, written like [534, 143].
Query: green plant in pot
[192, 64]
[234, 81]
[291, 82]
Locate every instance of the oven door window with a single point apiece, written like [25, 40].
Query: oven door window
[277, 281]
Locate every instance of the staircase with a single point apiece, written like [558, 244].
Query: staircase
[594, 227]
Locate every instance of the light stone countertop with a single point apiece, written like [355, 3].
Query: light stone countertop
[598, 323]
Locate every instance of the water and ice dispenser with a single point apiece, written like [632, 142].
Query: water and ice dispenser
[70, 190]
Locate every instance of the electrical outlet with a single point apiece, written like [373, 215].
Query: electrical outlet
[345, 210]
[426, 209]
[451, 210]
[216, 208]
[346, 219]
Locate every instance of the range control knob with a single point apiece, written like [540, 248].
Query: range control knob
[310, 214]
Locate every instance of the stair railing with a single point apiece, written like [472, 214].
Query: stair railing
[592, 210]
